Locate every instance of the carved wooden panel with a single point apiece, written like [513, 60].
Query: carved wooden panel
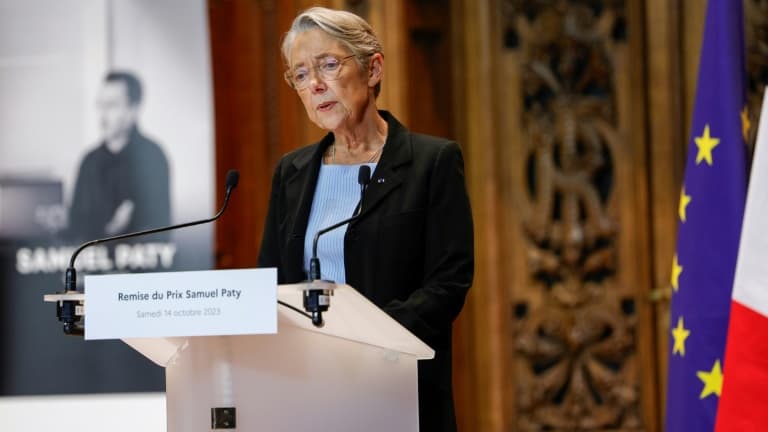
[575, 332]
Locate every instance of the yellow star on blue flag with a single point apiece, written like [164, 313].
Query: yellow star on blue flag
[710, 212]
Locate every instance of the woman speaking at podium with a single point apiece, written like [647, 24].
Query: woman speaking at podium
[411, 250]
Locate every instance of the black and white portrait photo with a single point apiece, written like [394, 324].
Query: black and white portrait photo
[123, 184]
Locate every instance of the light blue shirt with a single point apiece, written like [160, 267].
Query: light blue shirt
[336, 197]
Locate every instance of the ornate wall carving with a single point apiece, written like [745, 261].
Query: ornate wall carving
[574, 332]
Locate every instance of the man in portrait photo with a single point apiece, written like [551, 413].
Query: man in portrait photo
[123, 184]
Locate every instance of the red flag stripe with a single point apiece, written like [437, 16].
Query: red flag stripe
[744, 402]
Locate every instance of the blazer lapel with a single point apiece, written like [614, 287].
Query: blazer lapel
[300, 186]
[387, 177]
[300, 190]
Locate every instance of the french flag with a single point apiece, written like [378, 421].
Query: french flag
[744, 400]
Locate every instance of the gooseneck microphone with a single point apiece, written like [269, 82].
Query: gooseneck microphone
[67, 313]
[363, 178]
[316, 301]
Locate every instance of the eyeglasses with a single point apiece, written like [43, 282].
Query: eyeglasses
[328, 68]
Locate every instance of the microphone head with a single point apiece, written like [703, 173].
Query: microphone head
[364, 175]
[232, 178]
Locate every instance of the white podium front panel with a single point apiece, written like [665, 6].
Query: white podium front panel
[293, 381]
[358, 373]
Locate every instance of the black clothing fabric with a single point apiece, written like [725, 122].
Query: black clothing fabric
[139, 173]
[411, 253]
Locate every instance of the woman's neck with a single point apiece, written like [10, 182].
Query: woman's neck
[365, 135]
[362, 142]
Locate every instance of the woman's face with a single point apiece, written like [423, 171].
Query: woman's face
[330, 104]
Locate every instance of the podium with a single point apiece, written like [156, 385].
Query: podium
[356, 373]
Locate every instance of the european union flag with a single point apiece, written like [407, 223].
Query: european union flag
[711, 208]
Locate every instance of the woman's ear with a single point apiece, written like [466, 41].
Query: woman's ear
[376, 69]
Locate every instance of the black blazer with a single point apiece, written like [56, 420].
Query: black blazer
[410, 253]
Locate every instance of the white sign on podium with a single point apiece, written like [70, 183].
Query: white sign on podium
[195, 303]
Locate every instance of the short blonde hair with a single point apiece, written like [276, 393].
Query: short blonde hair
[349, 29]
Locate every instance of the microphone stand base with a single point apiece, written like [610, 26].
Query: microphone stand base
[70, 309]
[317, 299]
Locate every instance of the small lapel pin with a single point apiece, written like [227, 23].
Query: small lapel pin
[381, 180]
